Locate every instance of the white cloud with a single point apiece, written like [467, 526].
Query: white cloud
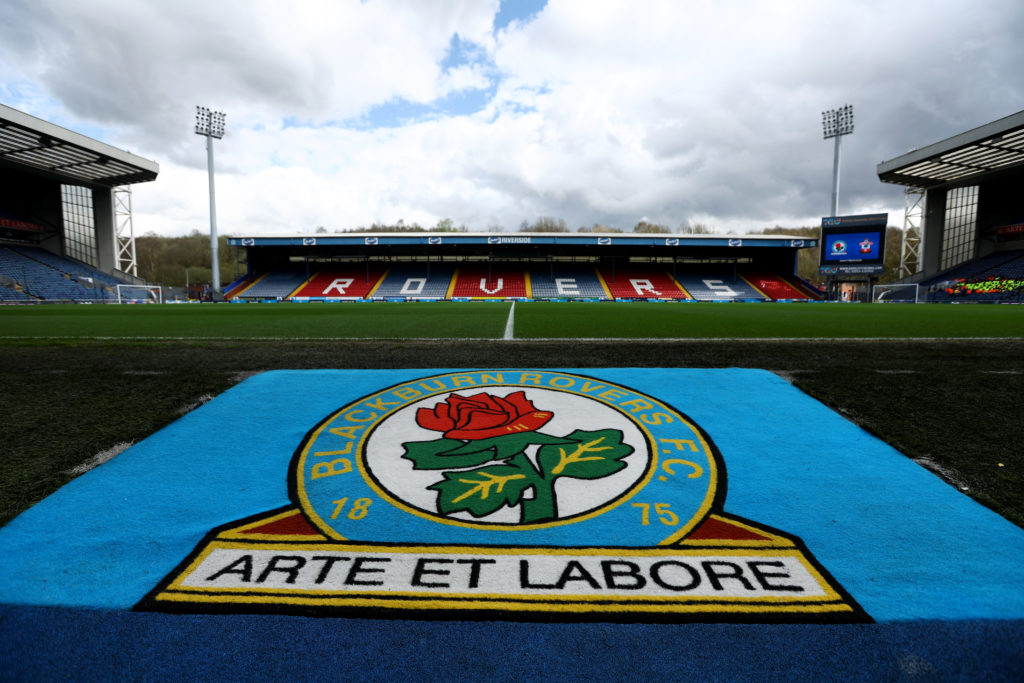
[465, 77]
[345, 113]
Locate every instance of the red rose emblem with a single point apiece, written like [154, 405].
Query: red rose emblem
[483, 416]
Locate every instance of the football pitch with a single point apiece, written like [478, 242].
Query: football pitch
[497, 320]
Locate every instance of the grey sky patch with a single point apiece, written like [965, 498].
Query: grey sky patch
[608, 112]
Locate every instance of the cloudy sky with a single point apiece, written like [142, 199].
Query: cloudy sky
[343, 113]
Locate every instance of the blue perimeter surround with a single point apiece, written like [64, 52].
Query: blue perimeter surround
[941, 572]
[42, 643]
[450, 238]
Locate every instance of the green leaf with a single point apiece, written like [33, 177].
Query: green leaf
[482, 491]
[591, 455]
[439, 455]
[506, 445]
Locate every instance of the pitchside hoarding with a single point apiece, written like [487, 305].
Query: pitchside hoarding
[853, 245]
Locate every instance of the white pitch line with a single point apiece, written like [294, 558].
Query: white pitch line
[756, 340]
[510, 324]
[101, 457]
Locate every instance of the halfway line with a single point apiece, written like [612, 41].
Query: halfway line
[510, 324]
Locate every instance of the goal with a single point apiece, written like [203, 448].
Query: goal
[140, 294]
[902, 294]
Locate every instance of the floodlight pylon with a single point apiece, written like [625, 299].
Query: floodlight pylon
[836, 123]
[210, 124]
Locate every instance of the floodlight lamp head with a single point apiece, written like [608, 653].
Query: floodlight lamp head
[835, 122]
[209, 123]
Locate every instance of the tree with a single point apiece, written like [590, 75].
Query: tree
[687, 228]
[597, 227]
[170, 261]
[645, 227]
[448, 225]
[400, 226]
[545, 224]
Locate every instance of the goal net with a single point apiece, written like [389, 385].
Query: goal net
[140, 294]
[904, 294]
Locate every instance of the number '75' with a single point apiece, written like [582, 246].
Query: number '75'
[665, 516]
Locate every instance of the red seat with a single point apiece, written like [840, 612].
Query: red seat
[342, 283]
[474, 282]
[637, 283]
[775, 286]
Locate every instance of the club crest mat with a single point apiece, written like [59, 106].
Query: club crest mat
[610, 494]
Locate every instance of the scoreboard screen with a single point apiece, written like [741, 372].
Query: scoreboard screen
[853, 245]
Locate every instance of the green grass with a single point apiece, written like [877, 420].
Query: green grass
[248, 321]
[487, 320]
[737, 320]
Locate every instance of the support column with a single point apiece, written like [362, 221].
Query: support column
[932, 228]
[106, 230]
[910, 251]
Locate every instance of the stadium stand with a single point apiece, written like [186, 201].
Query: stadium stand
[810, 289]
[642, 283]
[415, 281]
[237, 286]
[991, 288]
[73, 268]
[719, 286]
[992, 264]
[276, 284]
[474, 282]
[353, 283]
[43, 281]
[996, 277]
[11, 294]
[776, 287]
[566, 282]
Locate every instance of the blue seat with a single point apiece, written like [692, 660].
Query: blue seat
[275, 285]
[415, 281]
[566, 282]
[718, 285]
[47, 276]
[10, 294]
[73, 268]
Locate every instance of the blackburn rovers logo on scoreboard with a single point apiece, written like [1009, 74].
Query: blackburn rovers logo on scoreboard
[507, 493]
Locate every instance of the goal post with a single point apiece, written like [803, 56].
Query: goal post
[895, 293]
[140, 294]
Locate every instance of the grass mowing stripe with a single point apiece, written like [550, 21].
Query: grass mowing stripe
[248, 321]
[740, 340]
[737, 320]
[537, 320]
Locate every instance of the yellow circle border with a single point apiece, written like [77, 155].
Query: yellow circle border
[358, 455]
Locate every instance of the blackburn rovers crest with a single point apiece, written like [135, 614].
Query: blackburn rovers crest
[512, 494]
